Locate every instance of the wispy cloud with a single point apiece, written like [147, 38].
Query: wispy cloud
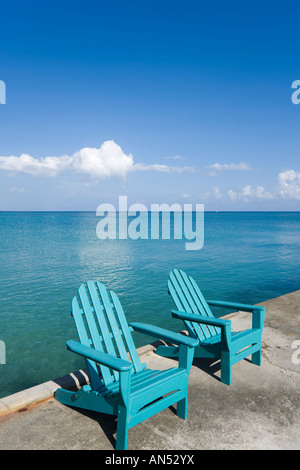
[175, 157]
[15, 189]
[249, 193]
[245, 194]
[217, 193]
[107, 161]
[163, 168]
[217, 167]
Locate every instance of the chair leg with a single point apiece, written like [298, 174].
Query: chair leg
[225, 368]
[182, 408]
[256, 358]
[122, 429]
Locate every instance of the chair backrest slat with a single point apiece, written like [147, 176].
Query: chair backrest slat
[101, 323]
[105, 338]
[127, 335]
[111, 319]
[181, 304]
[84, 337]
[191, 300]
[188, 297]
[200, 303]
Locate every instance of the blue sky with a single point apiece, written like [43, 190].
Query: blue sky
[161, 101]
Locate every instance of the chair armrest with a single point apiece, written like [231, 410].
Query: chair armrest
[166, 335]
[98, 356]
[234, 305]
[200, 319]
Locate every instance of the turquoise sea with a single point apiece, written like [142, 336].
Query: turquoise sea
[45, 256]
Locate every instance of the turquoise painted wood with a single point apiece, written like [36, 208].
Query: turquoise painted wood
[216, 340]
[119, 383]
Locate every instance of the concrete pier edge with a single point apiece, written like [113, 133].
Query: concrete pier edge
[34, 395]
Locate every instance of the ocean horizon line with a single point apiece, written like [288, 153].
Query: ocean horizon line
[94, 211]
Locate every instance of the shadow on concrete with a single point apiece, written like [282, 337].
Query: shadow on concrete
[108, 423]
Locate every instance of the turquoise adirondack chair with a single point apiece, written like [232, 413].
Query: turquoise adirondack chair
[122, 385]
[216, 340]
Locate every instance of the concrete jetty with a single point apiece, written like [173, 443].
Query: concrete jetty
[260, 410]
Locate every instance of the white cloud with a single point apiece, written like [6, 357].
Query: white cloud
[289, 184]
[104, 162]
[249, 193]
[175, 157]
[15, 189]
[288, 188]
[162, 168]
[229, 166]
[255, 193]
[108, 160]
[232, 194]
[48, 166]
[217, 193]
